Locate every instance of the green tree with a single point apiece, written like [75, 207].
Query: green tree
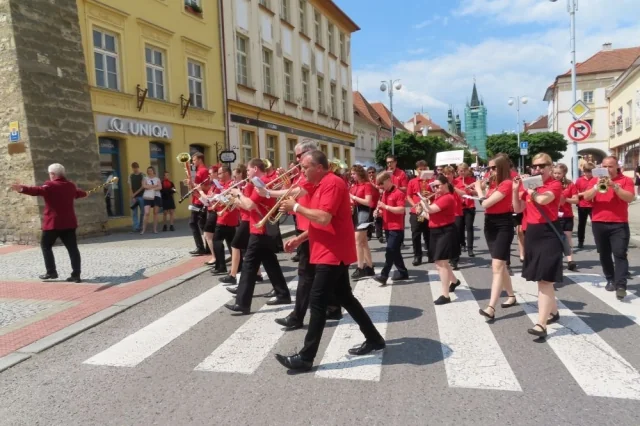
[552, 143]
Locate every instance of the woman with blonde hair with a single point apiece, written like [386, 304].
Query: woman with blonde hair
[568, 198]
[361, 195]
[450, 173]
[543, 250]
[462, 186]
[152, 199]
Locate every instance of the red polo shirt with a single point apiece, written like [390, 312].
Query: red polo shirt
[302, 223]
[59, 196]
[506, 204]
[568, 192]
[608, 207]
[532, 214]
[360, 190]
[334, 243]
[264, 204]
[202, 173]
[414, 188]
[446, 215]
[375, 195]
[246, 191]
[399, 178]
[393, 221]
[583, 184]
[461, 183]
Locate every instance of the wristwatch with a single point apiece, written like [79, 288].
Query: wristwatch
[616, 186]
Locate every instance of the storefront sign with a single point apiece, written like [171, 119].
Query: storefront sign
[133, 127]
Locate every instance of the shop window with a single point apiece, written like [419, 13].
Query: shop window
[336, 152]
[272, 150]
[110, 167]
[157, 155]
[347, 156]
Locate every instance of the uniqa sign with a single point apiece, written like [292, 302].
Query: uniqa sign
[132, 127]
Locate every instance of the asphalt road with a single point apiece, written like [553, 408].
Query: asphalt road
[181, 358]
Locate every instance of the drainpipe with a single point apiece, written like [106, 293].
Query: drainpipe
[223, 66]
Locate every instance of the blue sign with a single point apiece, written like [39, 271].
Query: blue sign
[524, 145]
[14, 131]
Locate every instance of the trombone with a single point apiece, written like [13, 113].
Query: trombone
[284, 179]
[269, 217]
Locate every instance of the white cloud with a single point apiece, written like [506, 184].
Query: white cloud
[444, 20]
[417, 51]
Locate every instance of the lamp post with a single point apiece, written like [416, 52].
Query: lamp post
[383, 88]
[517, 101]
[572, 8]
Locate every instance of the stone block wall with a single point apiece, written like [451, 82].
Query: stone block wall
[43, 86]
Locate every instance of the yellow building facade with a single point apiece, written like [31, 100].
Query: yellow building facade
[155, 78]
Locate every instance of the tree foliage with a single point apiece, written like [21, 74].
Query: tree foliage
[552, 143]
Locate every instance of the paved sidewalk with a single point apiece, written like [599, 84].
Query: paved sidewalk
[119, 271]
[634, 221]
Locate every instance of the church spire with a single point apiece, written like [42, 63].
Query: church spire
[475, 102]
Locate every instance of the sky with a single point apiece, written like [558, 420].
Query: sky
[511, 47]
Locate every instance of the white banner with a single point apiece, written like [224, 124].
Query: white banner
[449, 157]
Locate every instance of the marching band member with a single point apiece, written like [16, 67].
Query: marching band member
[198, 217]
[419, 223]
[371, 171]
[583, 184]
[261, 248]
[226, 224]
[462, 183]
[212, 216]
[332, 248]
[498, 231]
[398, 177]
[443, 235]
[449, 173]
[361, 195]
[567, 199]
[543, 251]
[392, 208]
[610, 223]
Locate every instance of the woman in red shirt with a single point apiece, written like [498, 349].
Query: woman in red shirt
[565, 213]
[465, 179]
[443, 235]
[360, 195]
[449, 173]
[499, 232]
[543, 251]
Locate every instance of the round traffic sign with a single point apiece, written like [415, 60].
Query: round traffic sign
[579, 130]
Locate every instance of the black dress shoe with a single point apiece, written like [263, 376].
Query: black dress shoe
[442, 300]
[237, 308]
[48, 276]
[279, 301]
[452, 286]
[471, 253]
[233, 290]
[380, 279]
[399, 277]
[572, 266]
[271, 294]
[610, 286]
[417, 261]
[367, 347]
[289, 322]
[197, 252]
[335, 314]
[219, 271]
[294, 362]
[554, 318]
[228, 280]
[580, 245]
[74, 279]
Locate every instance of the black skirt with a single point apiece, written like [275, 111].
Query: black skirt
[498, 230]
[168, 203]
[566, 223]
[443, 242]
[543, 254]
[241, 239]
[210, 224]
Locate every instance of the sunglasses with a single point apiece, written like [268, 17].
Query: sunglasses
[492, 167]
[539, 166]
[436, 186]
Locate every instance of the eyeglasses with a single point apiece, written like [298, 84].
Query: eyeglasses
[492, 167]
[390, 162]
[539, 166]
[371, 173]
[436, 186]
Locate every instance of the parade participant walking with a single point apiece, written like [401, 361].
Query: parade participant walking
[361, 194]
[199, 213]
[398, 177]
[583, 184]
[419, 223]
[568, 198]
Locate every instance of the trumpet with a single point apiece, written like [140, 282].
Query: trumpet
[111, 181]
[284, 179]
[276, 216]
[222, 197]
[603, 185]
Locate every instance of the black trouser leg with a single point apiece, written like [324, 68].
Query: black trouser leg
[223, 233]
[379, 232]
[196, 229]
[603, 243]
[469, 219]
[459, 224]
[619, 236]
[306, 275]
[416, 235]
[460, 228]
[47, 241]
[272, 266]
[398, 261]
[250, 267]
[392, 252]
[583, 214]
[68, 237]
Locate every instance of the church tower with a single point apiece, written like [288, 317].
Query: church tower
[475, 123]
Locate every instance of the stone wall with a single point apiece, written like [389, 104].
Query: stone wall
[43, 86]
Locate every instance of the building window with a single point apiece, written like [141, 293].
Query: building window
[344, 105]
[272, 149]
[247, 146]
[196, 84]
[336, 152]
[105, 54]
[157, 155]
[330, 41]
[291, 150]
[587, 97]
[242, 66]
[110, 168]
[324, 148]
[347, 156]
[334, 106]
[305, 88]
[321, 95]
[266, 71]
[303, 16]
[317, 22]
[343, 50]
[265, 3]
[284, 10]
[288, 81]
[373, 143]
[155, 72]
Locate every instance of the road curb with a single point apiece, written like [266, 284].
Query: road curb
[99, 317]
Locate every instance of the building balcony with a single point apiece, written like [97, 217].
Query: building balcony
[628, 123]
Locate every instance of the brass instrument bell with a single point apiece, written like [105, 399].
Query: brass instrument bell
[603, 185]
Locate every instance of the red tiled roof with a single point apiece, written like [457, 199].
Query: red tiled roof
[385, 115]
[422, 121]
[541, 122]
[607, 61]
[363, 109]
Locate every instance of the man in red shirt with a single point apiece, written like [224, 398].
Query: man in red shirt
[260, 249]
[392, 207]
[583, 184]
[610, 222]
[198, 211]
[398, 177]
[226, 224]
[59, 219]
[417, 185]
[377, 193]
[333, 248]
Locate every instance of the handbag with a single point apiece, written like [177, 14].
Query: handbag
[563, 238]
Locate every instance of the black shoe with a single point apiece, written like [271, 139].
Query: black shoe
[171, 228]
[207, 251]
[228, 280]
[382, 240]
[621, 293]
[334, 315]
[380, 279]
[219, 271]
[430, 260]
[367, 347]
[48, 276]
[74, 279]
[289, 322]
[295, 258]
[508, 305]
[271, 294]
[164, 228]
[369, 271]
[294, 362]
[417, 261]
[358, 275]
[237, 308]
[580, 245]
[454, 265]
[279, 301]
[233, 290]
[554, 318]
[399, 277]
[197, 252]
[442, 300]
[486, 315]
[539, 333]
[452, 286]
[471, 253]
[610, 286]
[572, 266]
[259, 279]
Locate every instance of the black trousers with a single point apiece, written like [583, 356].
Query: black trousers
[261, 249]
[223, 233]
[333, 279]
[419, 229]
[612, 239]
[583, 214]
[393, 253]
[378, 225]
[459, 224]
[468, 217]
[196, 223]
[68, 237]
[306, 274]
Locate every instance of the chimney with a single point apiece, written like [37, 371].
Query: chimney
[606, 47]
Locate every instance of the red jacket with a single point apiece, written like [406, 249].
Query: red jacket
[59, 195]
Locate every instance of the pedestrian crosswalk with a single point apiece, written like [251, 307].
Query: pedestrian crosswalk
[472, 354]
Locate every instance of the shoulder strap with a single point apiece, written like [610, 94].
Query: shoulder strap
[544, 215]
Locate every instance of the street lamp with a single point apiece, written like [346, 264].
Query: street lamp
[517, 100]
[572, 8]
[383, 88]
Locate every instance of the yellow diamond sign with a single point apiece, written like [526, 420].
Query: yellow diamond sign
[579, 110]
